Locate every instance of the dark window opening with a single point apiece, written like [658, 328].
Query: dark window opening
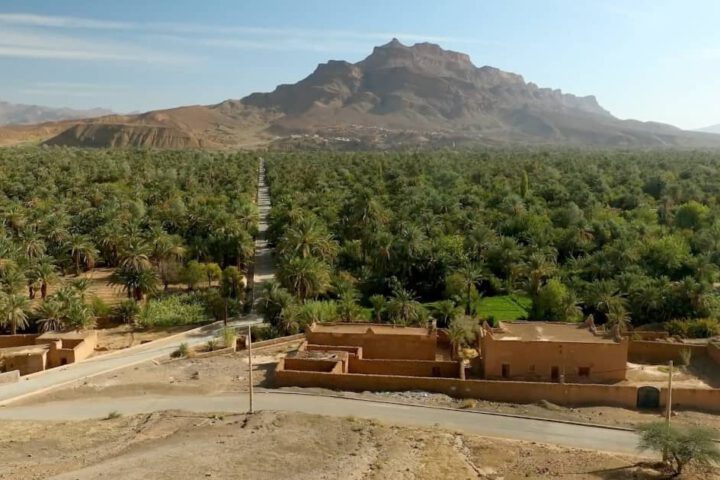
[506, 370]
[555, 374]
[436, 371]
[584, 371]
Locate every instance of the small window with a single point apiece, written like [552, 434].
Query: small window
[505, 370]
[555, 374]
[584, 371]
[531, 369]
[435, 371]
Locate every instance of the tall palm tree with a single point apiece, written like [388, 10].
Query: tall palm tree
[471, 275]
[44, 273]
[538, 268]
[14, 309]
[456, 335]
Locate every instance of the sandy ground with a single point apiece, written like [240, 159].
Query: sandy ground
[272, 445]
[124, 336]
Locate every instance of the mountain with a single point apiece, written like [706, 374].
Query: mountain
[711, 129]
[12, 114]
[399, 96]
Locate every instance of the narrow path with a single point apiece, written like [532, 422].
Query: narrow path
[569, 435]
[56, 377]
[264, 269]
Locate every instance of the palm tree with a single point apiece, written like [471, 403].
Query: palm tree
[403, 308]
[618, 316]
[136, 284]
[307, 238]
[471, 276]
[456, 335]
[12, 280]
[378, 303]
[305, 277]
[50, 316]
[538, 268]
[14, 309]
[82, 252]
[44, 273]
[446, 311]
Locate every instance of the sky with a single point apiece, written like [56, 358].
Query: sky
[653, 60]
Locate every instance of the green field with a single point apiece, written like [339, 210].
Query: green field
[505, 307]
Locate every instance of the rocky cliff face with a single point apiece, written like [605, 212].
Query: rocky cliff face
[399, 96]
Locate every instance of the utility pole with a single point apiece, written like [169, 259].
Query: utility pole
[668, 406]
[250, 376]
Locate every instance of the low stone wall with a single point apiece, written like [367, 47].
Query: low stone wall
[405, 368]
[662, 352]
[10, 377]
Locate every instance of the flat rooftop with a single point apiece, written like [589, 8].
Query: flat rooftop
[547, 332]
[23, 350]
[361, 328]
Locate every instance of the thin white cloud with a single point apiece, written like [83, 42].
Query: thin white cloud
[267, 33]
[41, 45]
[59, 92]
[30, 20]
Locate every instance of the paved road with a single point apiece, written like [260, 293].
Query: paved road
[94, 366]
[569, 435]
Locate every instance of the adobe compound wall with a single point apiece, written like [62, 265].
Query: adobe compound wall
[404, 368]
[662, 352]
[567, 394]
[713, 351]
[396, 346]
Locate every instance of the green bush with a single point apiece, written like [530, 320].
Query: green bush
[99, 308]
[265, 333]
[702, 328]
[126, 311]
[171, 311]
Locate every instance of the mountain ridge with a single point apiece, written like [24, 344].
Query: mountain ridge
[22, 114]
[397, 97]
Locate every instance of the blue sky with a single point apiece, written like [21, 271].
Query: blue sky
[645, 59]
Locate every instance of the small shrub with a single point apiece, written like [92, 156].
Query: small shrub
[685, 356]
[228, 335]
[126, 311]
[99, 308]
[182, 351]
[683, 447]
[704, 328]
[113, 415]
[677, 328]
[265, 333]
[468, 403]
[212, 344]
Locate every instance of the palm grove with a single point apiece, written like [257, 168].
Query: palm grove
[631, 238]
[157, 218]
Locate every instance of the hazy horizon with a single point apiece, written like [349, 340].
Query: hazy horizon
[641, 61]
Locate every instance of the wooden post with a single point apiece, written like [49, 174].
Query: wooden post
[250, 375]
[668, 400]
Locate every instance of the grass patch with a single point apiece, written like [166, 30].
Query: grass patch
[113, 415]
[505, 307]
[171, 311]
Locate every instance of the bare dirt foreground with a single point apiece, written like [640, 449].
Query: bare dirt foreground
[272, 445]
